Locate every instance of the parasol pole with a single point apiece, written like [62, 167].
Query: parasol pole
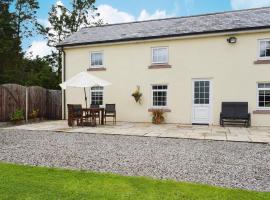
[85, 98]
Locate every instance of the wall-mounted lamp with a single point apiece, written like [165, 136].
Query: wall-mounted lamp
[232, 40]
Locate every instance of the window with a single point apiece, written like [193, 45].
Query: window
[97, 95]
[264, 49]
[160, 55]
[96, 59]
[264, 95]
[201, 92]
[159, 95]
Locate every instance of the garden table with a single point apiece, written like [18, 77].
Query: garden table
[91, 113]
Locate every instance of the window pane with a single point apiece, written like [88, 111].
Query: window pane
[261, 85]
[261, 104]
[267, 98]
[160, 55]
[159, 95]
[201, 95]
[261, 98]
[201, 101]
[267, 104]
[96, 59]
[264, 95]
[264, 48]
[267, 53]
[97, 95]
[267, 85]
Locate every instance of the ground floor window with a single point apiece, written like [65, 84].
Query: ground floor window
[97, 95]
[264, 95]
[159, 95]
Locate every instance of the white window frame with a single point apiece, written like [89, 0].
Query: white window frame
[96, 66]
[165, 62]
[259, 49]
[152, 95]
[258, 89]
[97, 90]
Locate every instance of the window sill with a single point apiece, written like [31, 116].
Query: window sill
[266, 112]
[96, 69]
[262, 62]
[162, 109]
[159, 66]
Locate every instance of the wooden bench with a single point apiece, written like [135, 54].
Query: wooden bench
[235, 112]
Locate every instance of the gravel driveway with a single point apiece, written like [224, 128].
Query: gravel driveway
[228, 164]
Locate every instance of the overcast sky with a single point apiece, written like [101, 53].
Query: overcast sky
[115, 11]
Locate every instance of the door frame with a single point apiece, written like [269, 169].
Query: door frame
[210, 121]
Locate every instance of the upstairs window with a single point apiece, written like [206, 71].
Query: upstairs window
[264, 95]
[97, 95]
[160, 55]
[264, 46]
[96, 59]
[159, 95]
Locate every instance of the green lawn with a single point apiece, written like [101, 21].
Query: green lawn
[24, 182]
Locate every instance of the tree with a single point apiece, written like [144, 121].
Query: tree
[25, 18]
[8, 42]
[64, 22]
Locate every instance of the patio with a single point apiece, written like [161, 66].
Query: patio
[239, 134]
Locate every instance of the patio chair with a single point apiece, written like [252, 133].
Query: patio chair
[75, 113]
[110, 111]
[97, 113]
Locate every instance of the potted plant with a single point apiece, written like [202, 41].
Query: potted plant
[17, 116]
[34, 114]
[137, 95]
[157, 116]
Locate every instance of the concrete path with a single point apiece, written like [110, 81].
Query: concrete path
[240, 134]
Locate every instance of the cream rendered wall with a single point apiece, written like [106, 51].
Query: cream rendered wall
[229, 66]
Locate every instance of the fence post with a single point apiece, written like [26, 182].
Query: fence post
[26, 104]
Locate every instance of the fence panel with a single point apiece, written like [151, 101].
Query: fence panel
[47, 102]
[54, 104]
[37, 100]
[12, 97]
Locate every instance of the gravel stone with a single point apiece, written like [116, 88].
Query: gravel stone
[219, 163]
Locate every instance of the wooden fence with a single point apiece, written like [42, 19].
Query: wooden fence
[13, 97]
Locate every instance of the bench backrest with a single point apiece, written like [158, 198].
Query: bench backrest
[235, 110]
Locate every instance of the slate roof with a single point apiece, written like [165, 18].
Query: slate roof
[250, 19]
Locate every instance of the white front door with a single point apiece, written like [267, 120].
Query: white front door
[201, 106]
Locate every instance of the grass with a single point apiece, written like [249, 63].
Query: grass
[25, 182]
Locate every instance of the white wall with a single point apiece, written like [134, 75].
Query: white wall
[230, 67]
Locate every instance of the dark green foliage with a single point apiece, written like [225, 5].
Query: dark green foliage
[19, 22]
[16, 25]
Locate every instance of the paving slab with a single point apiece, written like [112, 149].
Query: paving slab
[253, 134]
[238, 138]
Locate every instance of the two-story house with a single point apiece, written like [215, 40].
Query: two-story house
[186, 66]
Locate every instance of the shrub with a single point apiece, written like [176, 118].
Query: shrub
[17, 115]
[157, 116]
